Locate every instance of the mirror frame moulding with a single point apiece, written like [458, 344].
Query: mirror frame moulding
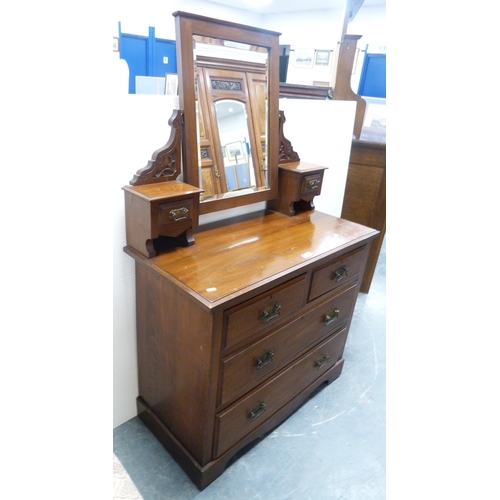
[187, 25]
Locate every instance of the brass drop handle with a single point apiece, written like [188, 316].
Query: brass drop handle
[313, 184]
[340, 274]
[331, 316]
[178, 214]
[217, 173]
[270, 312]
[322, 361]
[257, 411]
[264, 359]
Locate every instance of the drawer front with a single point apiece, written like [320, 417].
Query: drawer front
[244, 370]
[263, 312]
[246, 415]
[311, 184]
[336, 274]
[175, 217]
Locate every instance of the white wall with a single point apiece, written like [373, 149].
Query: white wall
[136, 17]
[369, 22]
[140, 128]
[321, 133]
[320, 30]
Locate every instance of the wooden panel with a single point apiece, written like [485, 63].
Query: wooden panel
[175, 342]
[292, 90]
[264, 311]
[367, 183]
[365, 196]
[246, 252]
[311, 185]
[242, 371]
[342, 89]
[257, 88]
[209, 168]
[141, 225]
[175, 217]
[336, 273]
[235, 422]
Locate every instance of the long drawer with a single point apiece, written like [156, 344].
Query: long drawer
[245, 369]
[247, 414]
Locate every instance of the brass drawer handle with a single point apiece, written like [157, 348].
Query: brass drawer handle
[313, 184]
[264, 359]
[178, 214]
[257, 411]
[270, 312]
[322, 361]
[340, 274]
[331, 316]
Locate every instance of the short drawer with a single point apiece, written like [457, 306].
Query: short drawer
[175, 217]
[263, 311]
[245, 369]
[311, 184]
[336, 274]
[244, 416]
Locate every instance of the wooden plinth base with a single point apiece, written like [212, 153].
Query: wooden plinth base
[203, 476]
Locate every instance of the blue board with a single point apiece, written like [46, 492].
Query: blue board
[372, 82]
[147, 55]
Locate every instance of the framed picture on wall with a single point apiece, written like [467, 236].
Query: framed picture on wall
[234, 151]
[171, 83]
[322, 58]
[304, 58]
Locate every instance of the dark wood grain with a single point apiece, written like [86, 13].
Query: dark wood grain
[145, 218]
[239, 371]
[176, 346]
[365, 196]
[234, 423]
[342, 89]
[293, 90]
[299, 183]
[188, 25]
[228, 259]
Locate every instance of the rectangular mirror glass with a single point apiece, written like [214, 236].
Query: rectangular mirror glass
[231, 112]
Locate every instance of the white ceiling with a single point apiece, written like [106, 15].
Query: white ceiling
[283, 6]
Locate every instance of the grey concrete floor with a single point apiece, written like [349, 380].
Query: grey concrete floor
[333, 447]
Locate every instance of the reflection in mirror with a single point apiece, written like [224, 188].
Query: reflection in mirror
[235, 146]
[231, 106]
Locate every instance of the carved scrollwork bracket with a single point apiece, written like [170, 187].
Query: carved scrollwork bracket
[286, 152]
[165, 164]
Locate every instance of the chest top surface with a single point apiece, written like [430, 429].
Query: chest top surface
[159, 191]
[245, 253]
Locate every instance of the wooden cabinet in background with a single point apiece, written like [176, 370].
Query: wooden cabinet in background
[364, 198]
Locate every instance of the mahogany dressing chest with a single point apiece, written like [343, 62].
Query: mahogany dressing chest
[238, 321]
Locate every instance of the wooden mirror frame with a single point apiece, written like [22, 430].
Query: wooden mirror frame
[187, 25]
